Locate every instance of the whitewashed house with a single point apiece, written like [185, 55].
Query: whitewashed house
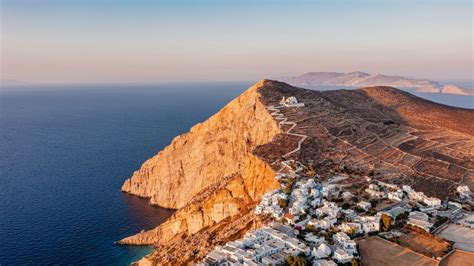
[464, 192]
[364, 205]
[342, 256]
[324, 263]
[420, 220]
[322, 251]
[369, 223]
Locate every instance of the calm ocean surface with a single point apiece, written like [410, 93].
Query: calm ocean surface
[64, 154]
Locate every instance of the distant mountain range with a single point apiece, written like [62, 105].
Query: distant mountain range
[361, 79]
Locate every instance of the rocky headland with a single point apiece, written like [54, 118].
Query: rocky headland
[217, 173]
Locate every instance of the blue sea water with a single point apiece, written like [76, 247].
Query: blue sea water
[64, 154]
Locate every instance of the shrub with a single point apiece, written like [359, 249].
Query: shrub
[374, 202]
[356, 262]
[386, 222]
[296, 261]
[345, 206]
[402, 216]
[289, 185]
[282, 203]
[439, 221]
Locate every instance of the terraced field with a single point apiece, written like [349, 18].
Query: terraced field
[383, 132]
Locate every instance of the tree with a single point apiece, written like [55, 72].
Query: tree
[356, 262]
[352, 231]
[371, 212]
[296, 261]
[401, 220]
[386, 222]
[289, 186]
[312, 229]
[402, 216]
[439, 221]
[312, 170]
[282, 203]
[345, 206]
[374, 202]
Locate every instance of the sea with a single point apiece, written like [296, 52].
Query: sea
[65, 151]
[64, 154]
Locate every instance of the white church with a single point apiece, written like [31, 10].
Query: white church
[291, 102]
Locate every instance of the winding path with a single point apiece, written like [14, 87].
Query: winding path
[276, 113]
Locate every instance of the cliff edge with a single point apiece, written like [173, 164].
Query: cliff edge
[210, 151]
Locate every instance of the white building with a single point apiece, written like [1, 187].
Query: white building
[309, 237]
[347, 195]
[369, 223]
[349, 213]
[395, 195]
[291, 102]
[324, 263]
[364, 205]
[322, 251]
[432, 202]
[325, 223]
[464, 192]
[374, 193]
[342, 256]
[328, 190]
[420, 220]
[270, 204]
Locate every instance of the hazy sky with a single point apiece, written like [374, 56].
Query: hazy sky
[153, 41]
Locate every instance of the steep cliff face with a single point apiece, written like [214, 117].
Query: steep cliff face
[230, 196]
[217, 148]
[210, 173]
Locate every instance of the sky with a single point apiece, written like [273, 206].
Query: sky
[84, 41]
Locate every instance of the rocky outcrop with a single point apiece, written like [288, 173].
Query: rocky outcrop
[210, 151]
[209, 174]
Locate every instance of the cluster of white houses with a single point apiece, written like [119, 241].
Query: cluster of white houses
[271, 205]
[267, 245]
[308, 208]
[384, 190]
[422, 198]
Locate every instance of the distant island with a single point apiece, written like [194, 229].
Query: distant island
[362, 79]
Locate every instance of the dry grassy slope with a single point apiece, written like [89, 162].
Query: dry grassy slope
[404, 107]
[211, 150]
[402, 138]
